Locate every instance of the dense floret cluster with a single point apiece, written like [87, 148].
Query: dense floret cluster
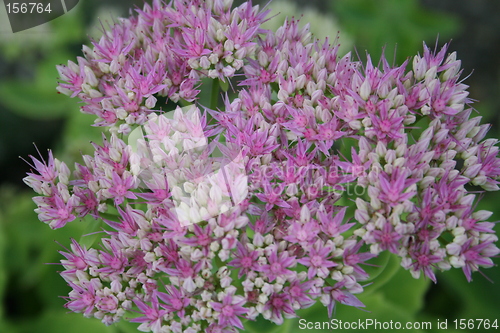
[249, 208]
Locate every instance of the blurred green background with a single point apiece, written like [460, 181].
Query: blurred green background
[32, 112]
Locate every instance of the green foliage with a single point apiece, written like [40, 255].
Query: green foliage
[36, 52]
[63, 322]
[3, 270]
[26, 245]
[33, 245]
[394, 296]
[42, 101]
[373, 24]
[44, 40]
[77, 136]
[28, 281]
[382, 269]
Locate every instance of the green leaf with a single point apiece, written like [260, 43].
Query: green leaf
[3, 269]
[224, 84]
[394, 296]
[91, 234]
[477, 299]
[62, 322]
[38, 98]
[79, 128]
[378, 265]
[36, 104]
[69, 28]
[7, 327]
[126, 327]
[134, 137]
[378, 308]
[375, 24]
[78, 135]
[44, 40]
[25, 234]
[215, 93]
[406, 292]
[262, 325]
[33, 244]
[388, 265]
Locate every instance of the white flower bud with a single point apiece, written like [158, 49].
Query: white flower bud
[365, 90]
[347, 269]
[263, 58]
[214, 246]
[269, 239]
[90, 77]
[457, 262]
[460, 240]
[431, 74]
[491, 250]
[149, 257]
[482, 215]
[419, 67]
[453, 249]
[263, 298]
[426, 109]
[305, 214]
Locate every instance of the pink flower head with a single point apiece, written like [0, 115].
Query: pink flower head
[332, 161]
[151, 315]
[83, 297]
[229, 310]
[318, 261]
[245, 260]
[393, 189]
[477, 256]
[278, 266]
[337, 294]
[175, 300]
[279, 305]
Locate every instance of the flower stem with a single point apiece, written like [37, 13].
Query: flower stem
[214, 96]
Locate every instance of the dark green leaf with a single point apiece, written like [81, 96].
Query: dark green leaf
[388, 265]
[406, 292]
[62, 322]
[374, 24]
[3, 268]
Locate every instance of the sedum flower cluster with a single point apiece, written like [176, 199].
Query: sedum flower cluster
[213, 215]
